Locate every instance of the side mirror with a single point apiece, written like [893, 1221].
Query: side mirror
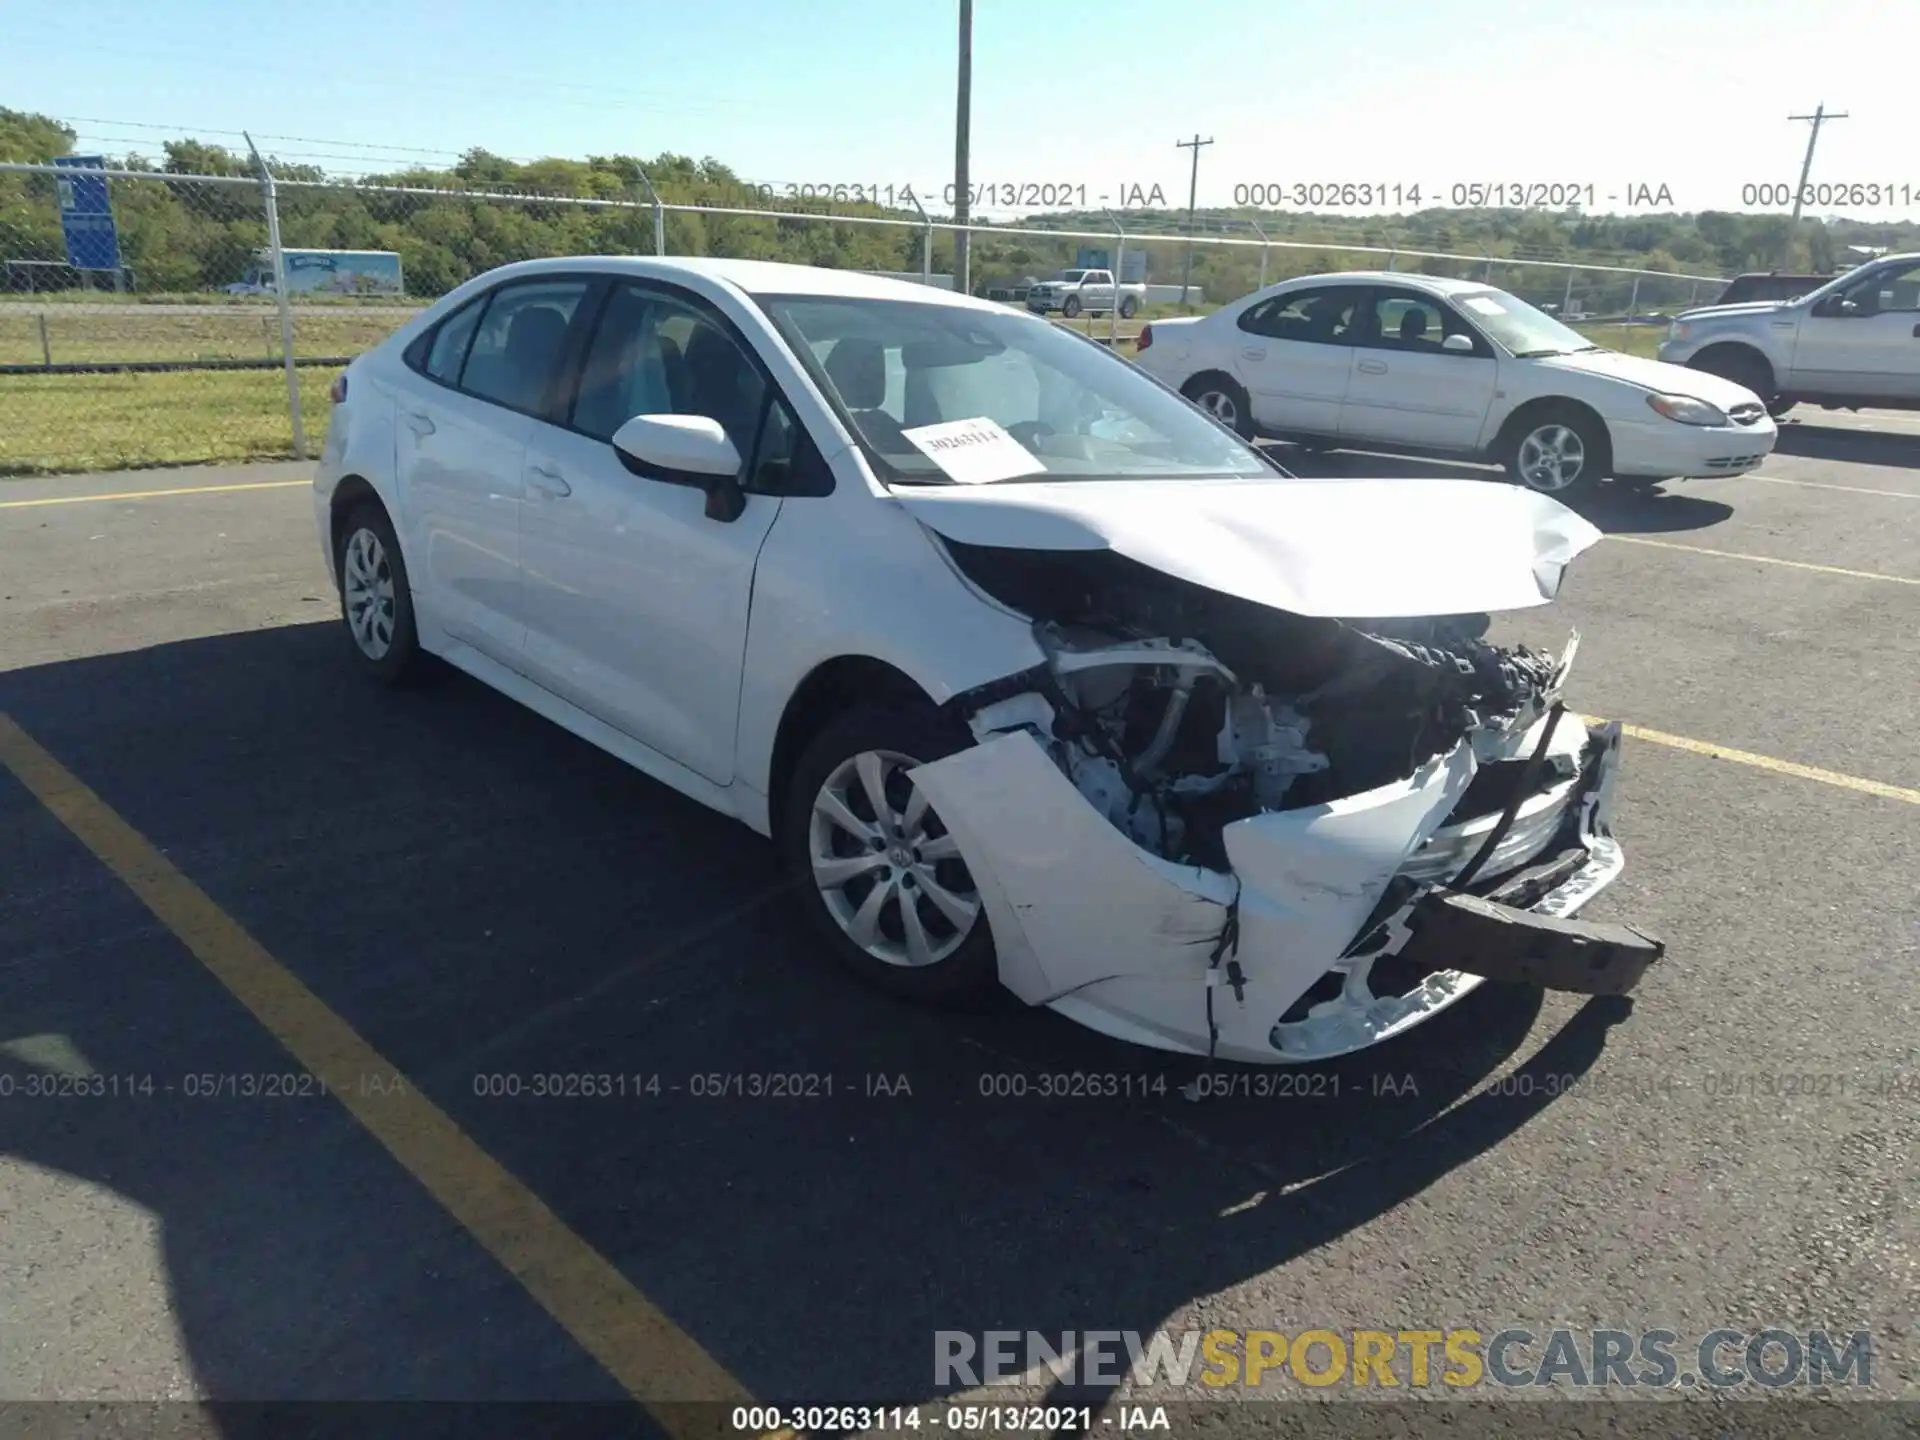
[685, 450]
[1458, 343]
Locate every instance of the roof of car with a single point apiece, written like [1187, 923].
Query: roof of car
[1438, 284]
[758, 277]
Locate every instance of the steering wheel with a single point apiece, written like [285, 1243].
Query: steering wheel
[1030, 432]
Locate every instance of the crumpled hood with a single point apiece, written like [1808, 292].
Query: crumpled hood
[1340, 549]
[1654, 376]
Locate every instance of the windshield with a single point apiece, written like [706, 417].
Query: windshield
[1081, 412]
[1519, 326]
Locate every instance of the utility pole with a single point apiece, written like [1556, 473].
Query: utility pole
[962, 127]
[1819, 118]
[1193, 192]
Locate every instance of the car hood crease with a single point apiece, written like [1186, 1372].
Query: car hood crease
[1339, 549]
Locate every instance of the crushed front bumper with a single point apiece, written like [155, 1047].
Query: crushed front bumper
[1287, 958]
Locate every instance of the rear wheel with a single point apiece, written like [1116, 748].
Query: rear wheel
[1223, 398]
[376, 600]
[1128, 305]
[880, 877]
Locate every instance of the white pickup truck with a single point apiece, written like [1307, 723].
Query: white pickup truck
[1072, 291]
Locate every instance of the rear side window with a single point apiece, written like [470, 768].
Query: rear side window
[517, 346]
[1315, 317]
[450, 341]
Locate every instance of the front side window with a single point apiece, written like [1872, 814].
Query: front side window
[893, 366]
[1321, 316]
[1895, 289]
[1416, 324]
[653, 354]
[517, 347]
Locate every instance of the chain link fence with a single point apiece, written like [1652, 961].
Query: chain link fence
[216, 339]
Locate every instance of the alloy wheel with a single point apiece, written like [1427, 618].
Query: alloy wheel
[367, 587]
[1552, 458]
[1219, 404]
[887, 870]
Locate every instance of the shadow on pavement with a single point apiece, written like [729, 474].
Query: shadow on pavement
[483, 897]
[1813, 441]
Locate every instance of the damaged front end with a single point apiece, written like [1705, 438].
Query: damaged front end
[1209, 825]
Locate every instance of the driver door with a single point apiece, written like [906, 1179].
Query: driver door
[1874, 351]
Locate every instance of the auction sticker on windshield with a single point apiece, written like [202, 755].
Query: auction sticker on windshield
[1483, 305]
[975, 452]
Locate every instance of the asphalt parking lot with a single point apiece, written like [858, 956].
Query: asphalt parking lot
[224, 857]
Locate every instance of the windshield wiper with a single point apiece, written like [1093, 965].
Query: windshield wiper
[1537, 354]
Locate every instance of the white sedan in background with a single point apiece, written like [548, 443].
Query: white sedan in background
[1379, 360]
[1036, 676]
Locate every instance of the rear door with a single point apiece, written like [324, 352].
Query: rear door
[1406, 388]
[1294, 353]
[465, 410]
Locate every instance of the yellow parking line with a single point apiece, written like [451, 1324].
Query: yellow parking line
[151, 494]
[660, 1365]
[1768, 762]
[1766, 560]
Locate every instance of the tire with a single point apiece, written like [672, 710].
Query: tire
[1742, 367]
[1222, 397]
[1559, 449]
[949, 966]
[1128, 307]
[1777, 407]
[1070, 307]
[376, 599]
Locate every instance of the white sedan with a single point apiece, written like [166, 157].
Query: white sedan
[1036, 676]
[1381, 360]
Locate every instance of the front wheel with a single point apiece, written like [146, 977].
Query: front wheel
[881, 879]
[1740, 365]
[1559, 450]
[1072, 307]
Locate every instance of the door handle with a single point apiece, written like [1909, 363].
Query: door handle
[1249, 353]
[548, 481]
[1374, 367]
[419, 422]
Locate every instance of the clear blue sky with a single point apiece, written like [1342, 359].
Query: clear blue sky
[1612, 93]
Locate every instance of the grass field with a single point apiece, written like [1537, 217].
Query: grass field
[64, 423]
[55, 423]
[72, 336]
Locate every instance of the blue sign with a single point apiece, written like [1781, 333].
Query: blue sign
[86, 214]
[1090, 259]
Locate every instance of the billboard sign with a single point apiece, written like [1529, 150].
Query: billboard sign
[1089, 258]
[1133, 267]
[86, 214]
